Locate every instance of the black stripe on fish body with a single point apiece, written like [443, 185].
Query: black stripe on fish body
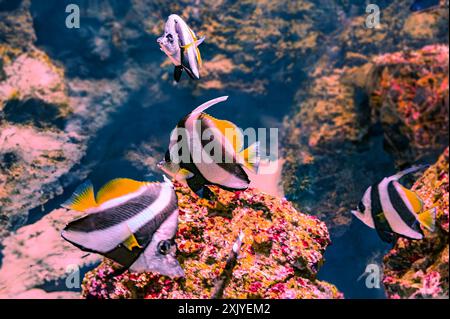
[177, 71]
[189, 72]
[143, 235]
[184, 53]
[233, 168]
[402, 209]
[112, 216]
[197, 182]
[381, 224]
[207, 124]
[124, 256]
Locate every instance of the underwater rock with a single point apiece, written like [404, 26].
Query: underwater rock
[281, 253]
[16, 24]
[47, 119]
[34, 151]
[37, 262]
[420, 268]
[33, 88]
[410, 99]
[336, 134]
[326, 150]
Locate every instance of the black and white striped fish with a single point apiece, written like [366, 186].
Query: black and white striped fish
[392, 209]
[133, 223]
[180, 44]
[219, 159]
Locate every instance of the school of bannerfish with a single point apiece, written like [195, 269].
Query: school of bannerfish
[134, 223]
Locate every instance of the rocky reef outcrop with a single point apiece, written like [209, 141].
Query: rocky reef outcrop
[281, 253]
[34, 149]
[410, 99]
[420, 269]
[366, 111]
[38, 264]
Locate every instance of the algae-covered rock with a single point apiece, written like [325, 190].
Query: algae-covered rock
[410, 99]
[281, 253]
[420, 268]
[353, 123]
[34, 149]
[37, 263]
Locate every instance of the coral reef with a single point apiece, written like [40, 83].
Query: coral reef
[411, 100]
[281, 253]
[420, 269]
[351, 123]
[358, 114]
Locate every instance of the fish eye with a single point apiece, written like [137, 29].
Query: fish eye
[361, 207]
[164, 247]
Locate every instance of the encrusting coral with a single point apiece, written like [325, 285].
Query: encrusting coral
[420, 268]
[281, 253]
[411, 100]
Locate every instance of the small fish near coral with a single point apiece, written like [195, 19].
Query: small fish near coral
[202, 168]
[180, 44]
[393, 210]
[130, 222]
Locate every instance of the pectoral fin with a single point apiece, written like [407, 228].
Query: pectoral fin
[183, 174]
[131, 242]
[428, 219]
[199, 41]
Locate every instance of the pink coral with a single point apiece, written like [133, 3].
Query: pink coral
[281, 252]
[420, 268]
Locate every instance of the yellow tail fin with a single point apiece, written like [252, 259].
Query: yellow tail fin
[428, 219]
[82, 199]
[251, 157]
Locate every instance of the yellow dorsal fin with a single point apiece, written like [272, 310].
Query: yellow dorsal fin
[231, 132]
[82, 199]
[116, 188]
[183, 174]
[413, 199]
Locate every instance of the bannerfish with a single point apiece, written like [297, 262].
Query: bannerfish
[424, 5]
[392, 209]
[180, 44]
[198, 166]
[131, 222]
